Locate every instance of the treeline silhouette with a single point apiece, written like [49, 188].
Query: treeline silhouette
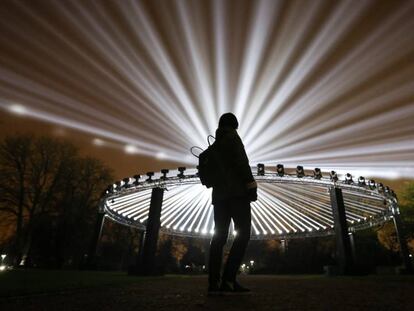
[48, 200]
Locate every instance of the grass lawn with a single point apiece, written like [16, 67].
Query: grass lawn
[86, 290]
[26, 282]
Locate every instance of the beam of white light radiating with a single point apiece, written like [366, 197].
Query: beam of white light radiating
[317, 83]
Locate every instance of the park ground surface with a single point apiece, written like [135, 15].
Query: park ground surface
[76, 290]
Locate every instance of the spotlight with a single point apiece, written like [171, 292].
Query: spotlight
[371, 184]
[334, 176]
[109, 189]
[361, 181]
[380, 187]
[280, 170]
[260, 169]
[150, 174]
[164, 173]
[387, 190]
[348, 179]
[181, 169]
[126, 182]
[299, 171]
[136, 177]
[317, 174]
[118, 185]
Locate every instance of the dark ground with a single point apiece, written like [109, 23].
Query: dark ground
[189, 293]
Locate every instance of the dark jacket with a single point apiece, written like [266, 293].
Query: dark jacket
[235, 168]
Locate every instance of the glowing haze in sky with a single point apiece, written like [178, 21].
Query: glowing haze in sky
[316, 83]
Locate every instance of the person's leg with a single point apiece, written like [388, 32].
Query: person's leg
[222, 219]
[241, 214]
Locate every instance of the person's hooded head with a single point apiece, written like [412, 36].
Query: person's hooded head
[228, 120]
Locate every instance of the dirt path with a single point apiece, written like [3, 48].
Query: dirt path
[269, 293]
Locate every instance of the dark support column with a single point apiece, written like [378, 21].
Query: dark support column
[343, 245]
[399, 229]
[100, 220]
[148, 266]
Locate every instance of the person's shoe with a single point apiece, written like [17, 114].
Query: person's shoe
[233, 288]
[213, 289]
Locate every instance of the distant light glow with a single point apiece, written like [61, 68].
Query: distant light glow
[18, 109]
[60, 131]
[98, 142]
[160, 155]
[131, 149]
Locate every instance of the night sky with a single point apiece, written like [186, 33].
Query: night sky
[136, 84]
[122, 164]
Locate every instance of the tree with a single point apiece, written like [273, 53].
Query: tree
[14, 162]
[387, 235]
[406, 201]
[194, 257]
[76, 207]
[51, 162]
[118, 248]
[52, 194]
[165, 260]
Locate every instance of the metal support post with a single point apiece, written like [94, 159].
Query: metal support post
[283, 246]
[141, 247]
[399, 229]
[207, 243]
[343, 244]
[352, 242]
[100, 220]
[148, 265]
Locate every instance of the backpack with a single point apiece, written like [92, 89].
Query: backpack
[209, 166]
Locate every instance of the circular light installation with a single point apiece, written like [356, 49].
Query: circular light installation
[288, 205]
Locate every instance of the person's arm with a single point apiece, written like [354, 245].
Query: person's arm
[243, 166]
[239, 160]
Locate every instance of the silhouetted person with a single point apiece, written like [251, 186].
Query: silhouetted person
[231, 199]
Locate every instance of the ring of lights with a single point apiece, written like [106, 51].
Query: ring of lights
[288, 206]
